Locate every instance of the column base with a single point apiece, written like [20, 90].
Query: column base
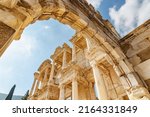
[138, 93]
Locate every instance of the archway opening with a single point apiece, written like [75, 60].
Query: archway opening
[23, 57]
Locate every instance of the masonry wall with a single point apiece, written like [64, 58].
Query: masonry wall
[136, 46]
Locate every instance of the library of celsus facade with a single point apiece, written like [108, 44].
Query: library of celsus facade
[98, 65]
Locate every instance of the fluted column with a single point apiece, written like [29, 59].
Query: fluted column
[62, 92]
[64, 64]
[33, 85]
[99, 81]
[74, 89]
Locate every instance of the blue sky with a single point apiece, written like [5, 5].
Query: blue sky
[39, 40]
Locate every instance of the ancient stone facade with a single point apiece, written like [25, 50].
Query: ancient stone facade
[99, 59]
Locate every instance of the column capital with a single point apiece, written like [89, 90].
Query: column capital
[61, 86]
[93, 63]
[36, 75]
[75, 78]
[53, 62]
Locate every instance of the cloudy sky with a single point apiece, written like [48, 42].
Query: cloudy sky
[40, 39]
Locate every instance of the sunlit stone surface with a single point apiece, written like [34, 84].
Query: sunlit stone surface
[100, 65]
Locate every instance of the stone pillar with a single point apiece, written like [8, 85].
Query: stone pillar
[74, 53]
[92, 92]
[99, 81]
[44, 81]
[62, 92]
[52, 73]
[33, 86]
[37, 85]
[74, 89]
[64, 63]
[40, 79]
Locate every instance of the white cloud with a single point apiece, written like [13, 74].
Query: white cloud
[95, 3]
[24, 47]
[130, 15]
[46, 27]
[17, 52]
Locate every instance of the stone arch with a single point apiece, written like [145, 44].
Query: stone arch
[64, 11]
[18, 14]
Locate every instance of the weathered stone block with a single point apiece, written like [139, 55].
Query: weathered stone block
[9, 19]
[9, 3]
[135, 60]
[138, 93]
[143, 69]
[125, 82]
[5, 33]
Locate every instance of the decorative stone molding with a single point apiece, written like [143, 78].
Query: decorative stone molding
[138, 93]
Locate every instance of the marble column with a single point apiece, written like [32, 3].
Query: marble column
[33, 86]
[99, 81]
[64, 63]
[92, 92]
[37, 85]
[74, 53]
[74, 89]
[44, 81]
[62, 92]
[52, 73]
[40, 79]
